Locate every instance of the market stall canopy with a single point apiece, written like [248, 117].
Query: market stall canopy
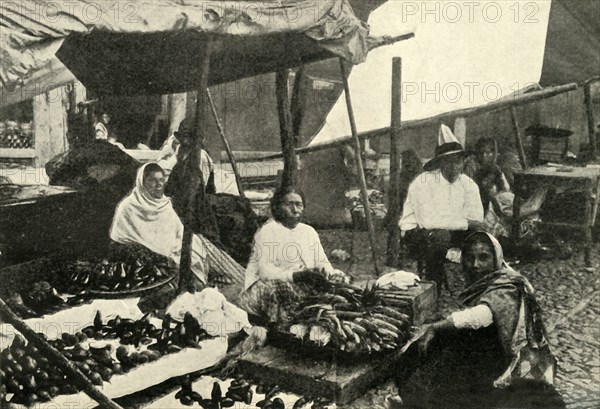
[573, 42]
[134, 46]
[462, 57]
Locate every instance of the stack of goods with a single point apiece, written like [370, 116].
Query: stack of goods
[99, 351]
[15, 135]
[135, 271]
[352, 319]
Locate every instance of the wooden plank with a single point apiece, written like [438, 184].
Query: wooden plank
[394, 199]
[420, 123]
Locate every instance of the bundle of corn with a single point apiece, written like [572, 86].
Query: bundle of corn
[352, 320]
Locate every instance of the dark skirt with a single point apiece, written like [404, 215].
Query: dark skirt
[459, 372]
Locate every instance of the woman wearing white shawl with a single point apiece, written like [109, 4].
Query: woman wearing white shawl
[147, 217]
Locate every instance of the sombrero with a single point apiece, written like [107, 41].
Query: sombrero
[447, 145]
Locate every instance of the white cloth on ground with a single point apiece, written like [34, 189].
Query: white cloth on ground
[434, 203]
[153, 223]
[216, 315]
[479, 316]
[278, 252]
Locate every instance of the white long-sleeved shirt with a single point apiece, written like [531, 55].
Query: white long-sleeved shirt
[434, 203]
[479, 316]
[278, 252]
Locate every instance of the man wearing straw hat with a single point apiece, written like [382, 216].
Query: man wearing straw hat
[442, 204]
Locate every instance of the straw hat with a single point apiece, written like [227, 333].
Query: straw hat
[447, 145]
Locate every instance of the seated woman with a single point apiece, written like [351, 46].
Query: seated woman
[287, 260]
[494, 189]
[494, 354]
[147, 217]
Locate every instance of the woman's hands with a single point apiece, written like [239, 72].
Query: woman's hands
[314, 278]
[430, 331]
[426, 338]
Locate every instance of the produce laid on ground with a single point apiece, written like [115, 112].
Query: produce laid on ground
[99, 351]
[240, 392]
[352, 319]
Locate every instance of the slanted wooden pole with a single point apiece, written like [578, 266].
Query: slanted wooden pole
[238, 179]
[58, 359]
[394, 199]
[361, 171]
[288, 139]
[589, 109]
[518, 138]
[186, 276]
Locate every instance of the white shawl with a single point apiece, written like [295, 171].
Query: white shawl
[153, 223]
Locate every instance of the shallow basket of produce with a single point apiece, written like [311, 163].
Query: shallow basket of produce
[121, 354]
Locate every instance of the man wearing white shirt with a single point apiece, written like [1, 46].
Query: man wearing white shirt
[442, 204]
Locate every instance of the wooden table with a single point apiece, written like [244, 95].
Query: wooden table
[338, 378]
[567, 181]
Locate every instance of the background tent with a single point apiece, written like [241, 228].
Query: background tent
[573, 42]
[458, 59]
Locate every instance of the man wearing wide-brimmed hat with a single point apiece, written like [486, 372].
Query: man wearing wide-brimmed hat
[442, 204]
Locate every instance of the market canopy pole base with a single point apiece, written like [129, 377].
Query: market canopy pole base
[193, 165]
[394, 199]
[56, 357]
[361, 171]
[288, 139]
[238, 179]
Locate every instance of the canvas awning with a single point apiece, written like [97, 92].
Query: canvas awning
[126, 46]
[465, 57]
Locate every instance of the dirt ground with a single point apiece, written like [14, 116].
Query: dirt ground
[568, 293]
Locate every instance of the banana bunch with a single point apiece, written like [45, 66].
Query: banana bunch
[351, 320]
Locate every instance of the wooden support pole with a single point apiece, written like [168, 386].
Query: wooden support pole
[297, 103]
[196, 188]
[361, 171]
[394, 199]
[238, 178]
[288, 139]
[518, 139]
[73, 373]
[589, 109]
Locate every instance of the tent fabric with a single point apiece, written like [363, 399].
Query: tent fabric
[459, 58]
[32, 30]
[573, 42]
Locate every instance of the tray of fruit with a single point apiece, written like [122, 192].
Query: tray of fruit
[106, 278]
[345, 318]
[120, 355]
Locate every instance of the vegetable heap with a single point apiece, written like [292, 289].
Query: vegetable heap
[353, 320]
